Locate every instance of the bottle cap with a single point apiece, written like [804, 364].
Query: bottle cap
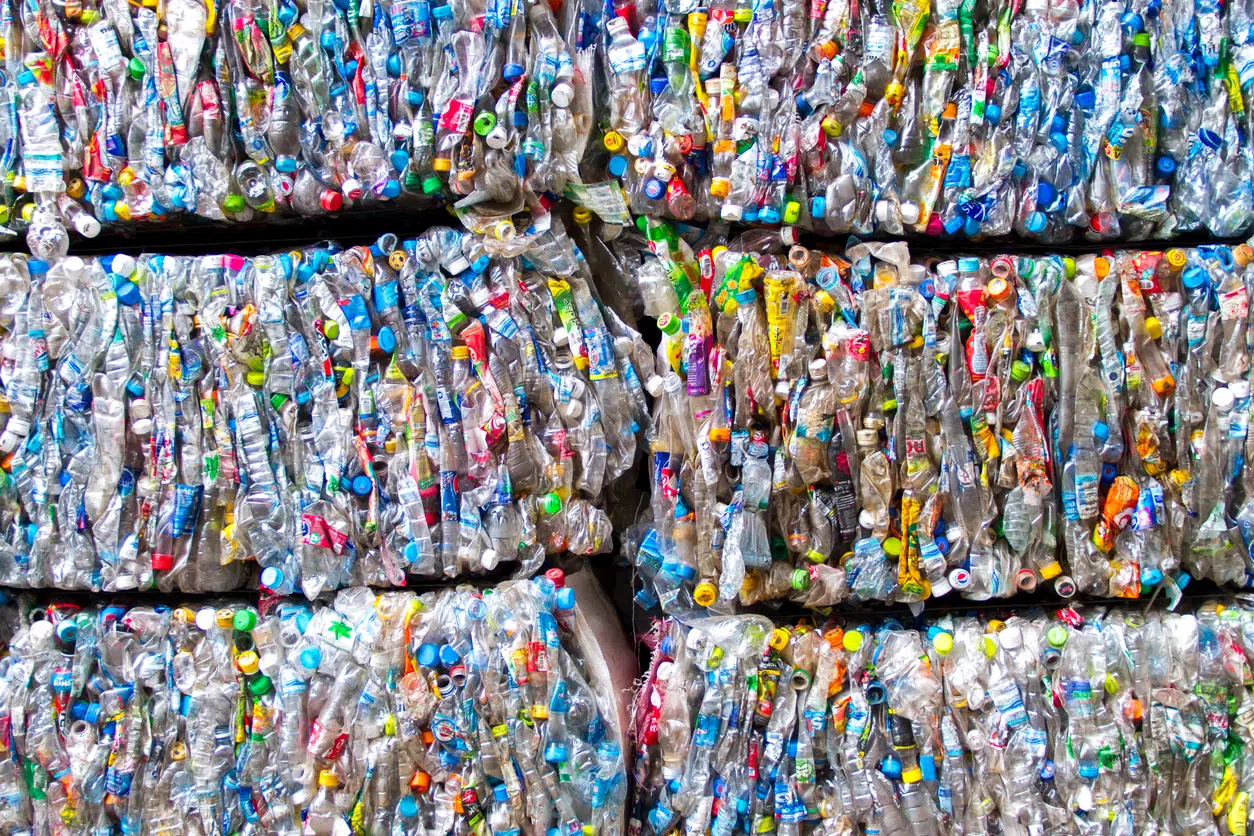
[331, 201]
[311, 657]
[271, 578]
[1057, 636]
[732, 213]
[326, 778]
[362, 485]
[705, 594]
[1222, 399]
[565, 598]
[245, 620]
[247, 662]
[943, 642]
[1153, 327]
[852, 640]
[551, 503]
[800, 580]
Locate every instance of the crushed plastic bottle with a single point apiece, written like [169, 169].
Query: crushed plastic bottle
[332, 416]
[1079, 720]
[380, 713]
[1045, 121]
[862, 425]
[242, 111]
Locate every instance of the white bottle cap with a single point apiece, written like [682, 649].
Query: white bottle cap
[123, 265]
[909, 213]
[498, 137]
[574, 409]
[141, 427]
[882, 208]
[41, 630]
[87, 225]
[732, 212]
[868, 437]
[789, 236]
[489, 559]
[941, 587]
[654, 385]
[866, 519]
[352, 188]
[781, 389]
[140, 409]
[1240, 389]
[1011, 638]
[818, 368]
[560, 336]
[9, 441]
[1222, 399]
[9, 350]
[206, 618]
[562, 95]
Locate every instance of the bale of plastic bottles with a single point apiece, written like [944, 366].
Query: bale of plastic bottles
[239, 111]
[1041, 120]
[382, 714]
[423, 408]
[865, 425]
[1094, 720]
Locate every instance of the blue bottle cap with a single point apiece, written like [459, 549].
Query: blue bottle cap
[1035, 222]
[391, 188]
[302, 397]
[311, 657]
[1085, 99]
[394, 65]
[411, 551]
[803, 106]
[953, 225]
[284, 164]
[653, 188]
[566, 598]
[1045, 193]
[890, 137]
[818, 207]
[302, 621]
[769, 215]
[1088, 769]
[513, 72]
[751, 214]
[618, 165]
[408, 807]
[128, 294]
[63, 478]
[1058, 125]
[942, 544]
[1058, 139]
[992, 113]
[891, 767]
[1165, 166]
[1193, 278]
[399, 160]
[1151, 577]
[1100, 431]
[387, 340]
[428, 654]
[556, 753]
[272, 577]
[971, 227]
[449, 655]
[36, 266]
[362, 485]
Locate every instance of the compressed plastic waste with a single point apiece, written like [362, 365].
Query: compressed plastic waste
[1042, 120]
[335, 416]
[238, 111]
[861, 425]
[380, 714]
[1075, 721]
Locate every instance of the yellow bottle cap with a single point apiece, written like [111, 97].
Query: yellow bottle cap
[614, 142]
[705, 594]
[1176, 257]
[943, 642]
[913, 775]
[1153, 327]
[892, 546]
[225, 618]
[780, 638]
[853, 640]
[326, 778]
[248, 663]
[990, 647]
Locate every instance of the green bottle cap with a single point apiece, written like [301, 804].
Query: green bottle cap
[1057, 636]
[260, 685]
[551, 503]
[245, 620]
[485, 122]
[136, 68]
[800, 580]
[431, 185]
[234, 203]
[256, 378]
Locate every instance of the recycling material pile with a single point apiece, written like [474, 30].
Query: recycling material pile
[333, 416]
[1090, 721]
[453, 712]
[139, 112]
[858, 425]
[1112, 121]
